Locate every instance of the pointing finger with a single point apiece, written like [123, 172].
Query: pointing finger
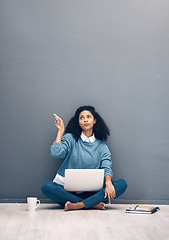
[57, 117]
[109, 199]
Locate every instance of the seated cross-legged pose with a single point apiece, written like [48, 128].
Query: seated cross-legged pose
[82, 146]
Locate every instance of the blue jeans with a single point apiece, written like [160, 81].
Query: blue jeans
[57, 193]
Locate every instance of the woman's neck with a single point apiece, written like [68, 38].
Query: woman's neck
[88, 133]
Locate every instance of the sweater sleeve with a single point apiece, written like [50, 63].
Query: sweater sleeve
[60, 150]
[106, 162]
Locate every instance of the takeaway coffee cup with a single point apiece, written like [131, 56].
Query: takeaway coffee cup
[32, 203]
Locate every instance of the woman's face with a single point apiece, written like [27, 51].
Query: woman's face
[86, 120]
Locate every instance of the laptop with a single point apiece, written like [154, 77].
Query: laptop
[81, 180]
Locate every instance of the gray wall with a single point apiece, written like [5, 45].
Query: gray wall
[58, 55]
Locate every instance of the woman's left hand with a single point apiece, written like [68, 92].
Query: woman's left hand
[110, 191]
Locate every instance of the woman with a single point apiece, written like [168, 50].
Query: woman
[82, 147]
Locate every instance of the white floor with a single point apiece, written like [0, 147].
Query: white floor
[51, 222]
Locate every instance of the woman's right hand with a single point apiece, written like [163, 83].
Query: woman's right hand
[59, 123]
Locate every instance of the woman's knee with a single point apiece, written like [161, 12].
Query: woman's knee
[123, 183]
[120, 186]
[46, 186]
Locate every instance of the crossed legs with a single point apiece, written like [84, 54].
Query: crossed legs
[73, 201]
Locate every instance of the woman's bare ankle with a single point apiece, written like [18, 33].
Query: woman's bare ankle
[73, 206]
[100, 206]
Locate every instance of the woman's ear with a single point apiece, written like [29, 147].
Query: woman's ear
[94, 121]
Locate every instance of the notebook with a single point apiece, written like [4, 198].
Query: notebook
[142, 209]
[81, 180]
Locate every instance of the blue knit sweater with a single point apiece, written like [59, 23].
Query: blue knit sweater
[82, 155]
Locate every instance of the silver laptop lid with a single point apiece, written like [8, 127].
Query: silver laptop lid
[84, 179]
